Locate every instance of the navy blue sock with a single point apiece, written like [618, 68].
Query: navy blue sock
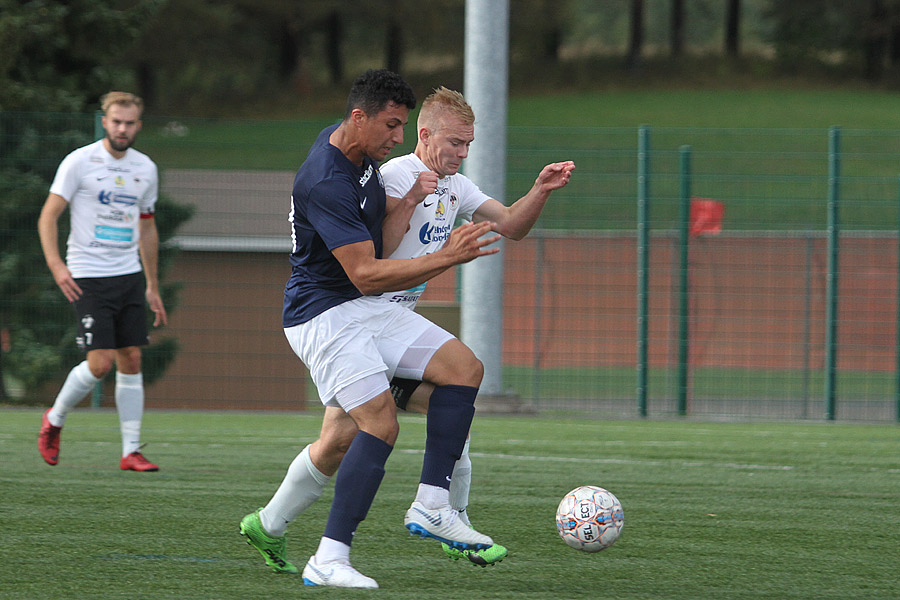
[450, 412]
[357, 481]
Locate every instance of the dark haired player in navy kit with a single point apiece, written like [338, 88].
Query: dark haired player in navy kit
[353, 343]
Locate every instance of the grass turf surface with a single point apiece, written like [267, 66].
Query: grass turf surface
[711, 510]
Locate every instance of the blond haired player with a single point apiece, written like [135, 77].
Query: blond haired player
[110, 270]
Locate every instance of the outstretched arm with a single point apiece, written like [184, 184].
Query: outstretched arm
[373, 276]
[516, 221]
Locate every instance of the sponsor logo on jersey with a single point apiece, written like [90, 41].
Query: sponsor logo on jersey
[117, 216]
[365, 177]
[113, 234]
[440, 211]
[434, 233]
[112, 197]
[120, 181]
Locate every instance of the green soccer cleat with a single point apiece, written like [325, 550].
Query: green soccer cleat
[482, 558]
[271, 548]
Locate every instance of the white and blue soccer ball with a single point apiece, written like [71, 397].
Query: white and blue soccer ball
[590, 518]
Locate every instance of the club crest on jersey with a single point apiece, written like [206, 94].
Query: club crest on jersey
[454, 201]
[365, 177]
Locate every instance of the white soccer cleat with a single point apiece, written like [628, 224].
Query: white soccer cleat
[444, 525]
[335, 574]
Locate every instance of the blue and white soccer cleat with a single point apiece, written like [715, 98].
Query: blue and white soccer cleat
[444, 525]
[335, 574]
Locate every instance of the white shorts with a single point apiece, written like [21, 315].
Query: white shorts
[360, 338]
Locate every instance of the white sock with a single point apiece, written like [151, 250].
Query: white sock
[332, 550]
[130, 404]
[300, 488]
[461, 481]
[78, 384]
[432, 496]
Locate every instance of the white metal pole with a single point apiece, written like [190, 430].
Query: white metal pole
[486, 90]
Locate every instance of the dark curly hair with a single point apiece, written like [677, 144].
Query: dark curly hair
[374, 89]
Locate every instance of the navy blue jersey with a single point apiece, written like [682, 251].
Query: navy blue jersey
[334, 203]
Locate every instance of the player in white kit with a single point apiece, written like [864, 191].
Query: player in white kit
[110, 190]
[446, 129]
[425, 196]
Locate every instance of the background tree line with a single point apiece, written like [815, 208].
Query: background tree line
[249, 56]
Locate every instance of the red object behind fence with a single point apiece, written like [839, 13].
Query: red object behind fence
[706, 216]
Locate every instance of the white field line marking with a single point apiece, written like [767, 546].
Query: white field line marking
[617, 461]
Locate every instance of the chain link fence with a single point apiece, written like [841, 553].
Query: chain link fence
[780, 303]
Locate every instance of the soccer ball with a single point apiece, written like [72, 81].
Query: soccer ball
[590, 518]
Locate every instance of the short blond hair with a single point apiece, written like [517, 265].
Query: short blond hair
[443, 101]
[122, 98]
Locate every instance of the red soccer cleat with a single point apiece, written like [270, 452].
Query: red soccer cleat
[136, 462]
[48, 440]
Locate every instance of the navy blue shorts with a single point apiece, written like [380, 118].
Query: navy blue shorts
[111, 312]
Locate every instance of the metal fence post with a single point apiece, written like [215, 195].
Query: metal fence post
[538, 317]
[99, 133]
[684, 282]
[897, 342]
[834, 229]
[643, 266]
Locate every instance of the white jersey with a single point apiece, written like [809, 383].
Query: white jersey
[106, 198]
[433, 219]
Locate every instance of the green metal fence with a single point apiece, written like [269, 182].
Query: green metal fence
[612, 305]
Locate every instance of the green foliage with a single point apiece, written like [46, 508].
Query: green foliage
[712, 510]
[62, 55]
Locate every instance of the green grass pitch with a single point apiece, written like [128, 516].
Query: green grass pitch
[712, 510]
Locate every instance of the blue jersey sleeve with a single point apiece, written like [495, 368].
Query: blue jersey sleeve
[334, 213]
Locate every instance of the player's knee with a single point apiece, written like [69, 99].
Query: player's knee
[100, 363]
[128, 360]
[386, 429]
[469, 371]
[378, 417]
[336, 441]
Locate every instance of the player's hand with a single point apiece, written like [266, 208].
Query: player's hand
[156, 305]
[66, 283]
[555, 175]
[424, 186]
[464, 243]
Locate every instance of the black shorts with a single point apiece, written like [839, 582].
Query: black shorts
[111, 312]
[402, 390]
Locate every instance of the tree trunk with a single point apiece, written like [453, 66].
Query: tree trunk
[875, 40]
[733, 29]
[334, 31]
[394, 47]
[4, 343]
[636, 41]
[146, 83]
[676, 33]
